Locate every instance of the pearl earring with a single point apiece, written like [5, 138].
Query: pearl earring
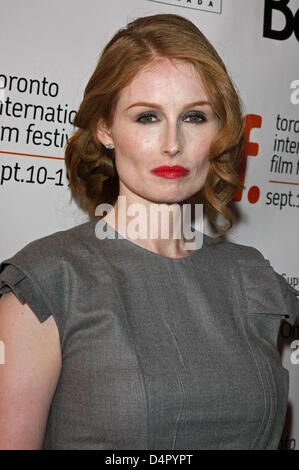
[109, 146]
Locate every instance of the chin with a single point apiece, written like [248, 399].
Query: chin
[166, 199]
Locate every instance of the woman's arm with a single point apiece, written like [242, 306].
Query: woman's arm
[29, 376]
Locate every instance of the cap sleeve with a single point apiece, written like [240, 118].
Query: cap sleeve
[266, 291]
[39, 276]
[13, 278]
[291, 298]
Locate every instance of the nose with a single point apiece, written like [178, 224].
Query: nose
[171, 140]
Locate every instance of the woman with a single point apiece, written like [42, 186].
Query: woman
[146, 343]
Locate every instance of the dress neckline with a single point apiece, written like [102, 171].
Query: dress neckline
[116, 235]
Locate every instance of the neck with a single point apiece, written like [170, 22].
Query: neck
[162, 228]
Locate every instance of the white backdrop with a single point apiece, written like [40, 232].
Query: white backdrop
[48, 52]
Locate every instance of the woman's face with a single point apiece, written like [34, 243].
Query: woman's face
[162, 118]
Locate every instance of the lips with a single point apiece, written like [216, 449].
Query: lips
[170, 172]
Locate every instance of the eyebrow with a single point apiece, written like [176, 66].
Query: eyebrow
[155, 105]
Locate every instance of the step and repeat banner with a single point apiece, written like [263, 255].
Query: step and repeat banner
[48, 52]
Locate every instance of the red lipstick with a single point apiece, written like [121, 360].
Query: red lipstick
[171, 172]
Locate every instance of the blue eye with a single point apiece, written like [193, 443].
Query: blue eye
[146, 117]
[193, 118]
[196, 118]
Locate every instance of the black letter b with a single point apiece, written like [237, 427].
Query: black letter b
[280, 5]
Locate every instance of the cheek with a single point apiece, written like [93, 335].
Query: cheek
[200, 150]
[200, 137]
[124, 143]
[147, 136]
[135, 145]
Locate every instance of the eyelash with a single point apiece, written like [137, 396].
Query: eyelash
[194, 114]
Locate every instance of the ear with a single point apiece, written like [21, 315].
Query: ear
[103, 134]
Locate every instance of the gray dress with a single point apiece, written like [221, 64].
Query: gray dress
[158, 353]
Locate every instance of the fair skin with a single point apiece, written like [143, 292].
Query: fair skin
[29, 376]
[175, 127]
[178, 133]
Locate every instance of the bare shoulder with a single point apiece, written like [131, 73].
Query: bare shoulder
[29, 373]
[17, 318]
